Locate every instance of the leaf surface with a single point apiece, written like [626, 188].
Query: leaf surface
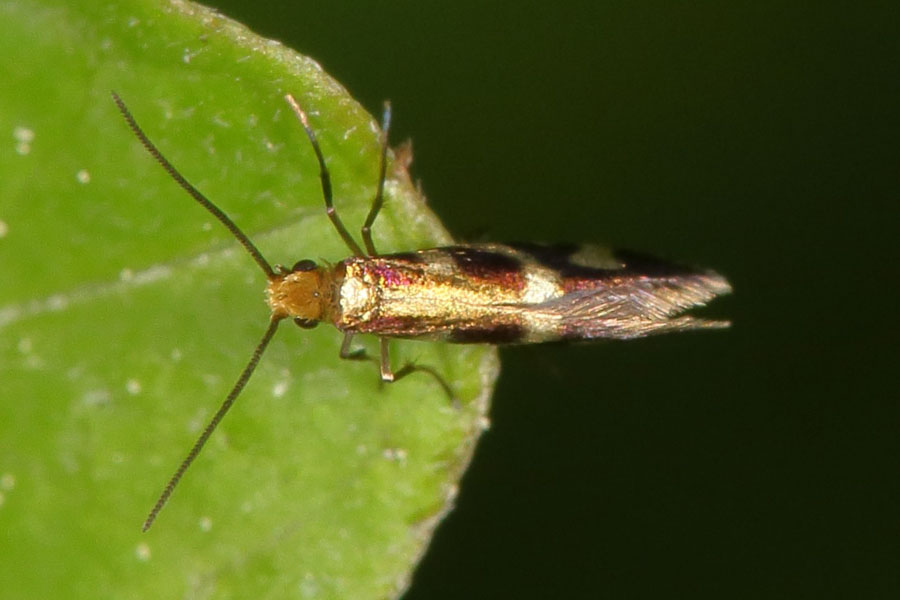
[127, 312]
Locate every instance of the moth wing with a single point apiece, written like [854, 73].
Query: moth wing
[636, 306]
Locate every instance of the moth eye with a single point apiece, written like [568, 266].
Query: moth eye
[305, 323]
[304, 265]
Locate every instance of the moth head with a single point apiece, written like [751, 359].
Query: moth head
[301, 294]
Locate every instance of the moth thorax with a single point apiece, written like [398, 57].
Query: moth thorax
[303, 294]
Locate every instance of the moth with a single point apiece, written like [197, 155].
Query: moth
[465, 294]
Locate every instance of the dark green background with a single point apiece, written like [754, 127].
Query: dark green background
[758, 138]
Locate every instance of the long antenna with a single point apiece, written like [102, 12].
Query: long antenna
[194, 192]
[213, 423]
[260, 347]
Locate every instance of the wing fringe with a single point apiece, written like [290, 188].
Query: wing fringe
[637, 306]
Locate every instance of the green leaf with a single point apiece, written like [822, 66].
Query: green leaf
[127, 312]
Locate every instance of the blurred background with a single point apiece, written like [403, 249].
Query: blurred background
[756, 138]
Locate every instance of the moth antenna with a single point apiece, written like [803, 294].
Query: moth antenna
[213, 423]
[194, 192]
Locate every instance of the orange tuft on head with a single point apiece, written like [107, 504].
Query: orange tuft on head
[300, 294]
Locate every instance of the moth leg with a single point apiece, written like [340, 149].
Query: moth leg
[378, 201]
[325, 179]
[356, 354]
[389, 376]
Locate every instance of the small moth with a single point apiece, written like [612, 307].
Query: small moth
[465, 294]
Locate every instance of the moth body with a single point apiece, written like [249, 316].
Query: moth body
[500, 294]
[466, 294]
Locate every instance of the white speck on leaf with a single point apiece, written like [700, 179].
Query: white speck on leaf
[83, 176]
[57, 302]
[279, 389]
[395, 454]
[23, 136]
[95, 397]
[4, 228]
[7, 481]
[211, 379]
[142, 552]
[133, 387]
